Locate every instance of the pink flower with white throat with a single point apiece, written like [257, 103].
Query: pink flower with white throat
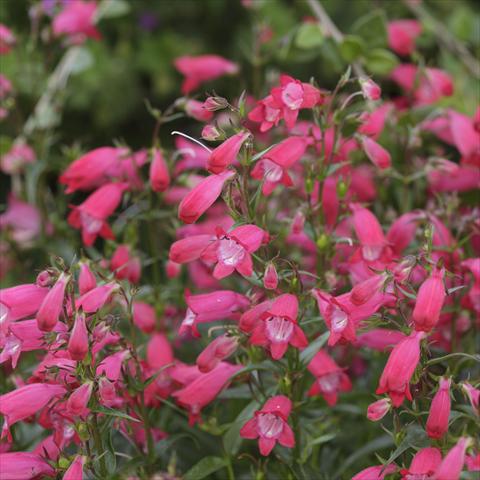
[270, 425]
[277, 327]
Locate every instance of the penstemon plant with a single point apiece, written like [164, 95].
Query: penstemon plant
[294, 293]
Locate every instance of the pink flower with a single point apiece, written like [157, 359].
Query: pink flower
[78, 342]
[202, 197]
[380, 339]
[273, 166]
[209, 307]
[197, 110]
[270, 277]
[93, 169]
[330, 379]
[19, 302]
[473, 395]
[159, 176]
[26, 401]
[22, 221]
[77, 20]
[124, 265]
[210, 132]
[452, 464]
[402, 35]
[378, 472]
[51, 308]
[226, 154]
[369, 233]
[430, 298]
[86, 278]
[423, 465]
[24, 466]
[292, 95]
[398, 371]
[144, 316]
[437, 422]
[232, 251]
[190, 248]
[203, 390]
[377, 410]
[7, 39]
[95, 299]
[433, 83]
[111, 366]
[216, 351]
[17, 157]
[376, 153]
[75, 470]
[278, 327]
[91, 216]
[370, 90]
[270, 425]
[78, 400]
[267, 113]
[203, 68]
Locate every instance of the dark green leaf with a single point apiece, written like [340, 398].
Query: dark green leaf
[205, 467]
[380, 61]
[309, 35]
[307, 354]
[114, 413]
[352, 47]
[372, 28]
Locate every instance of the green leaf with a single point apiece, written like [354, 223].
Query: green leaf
[114, 413]
[205, 467]
[111, 9]
[307, 354]
[380, 61]
[309, 35]
[352, 47]
[232, 439]
[372, 28]
[416, 437]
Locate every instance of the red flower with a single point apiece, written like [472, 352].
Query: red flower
[159, 176]
[376, 153]
[51, 308]
[77, 20]
[270, 425]
[423, 465]
[226, 153]
[452, 464]
[402, 35]
[78, 343]
[219, 349]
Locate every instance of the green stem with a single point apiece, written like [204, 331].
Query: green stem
[100, 453]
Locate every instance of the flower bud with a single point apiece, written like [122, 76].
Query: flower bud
[213, 104]
[52, 305]
[78, 400]
[437, 422]
[377, 410]
[78, 343]
[370, 90]
[210, 132]
[159, 176]
[45, 279]
[270, 278]
[86, 279]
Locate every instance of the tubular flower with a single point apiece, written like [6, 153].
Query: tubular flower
[24, 466]
[273, 167]
[202, 197]
[370, 90]
[398, 371]
[377, 410]
[78, 342]
[91, 216]
[423, 465]
[75, 470]
[437, 422]
[378, 472]
[51, 308]
[376, 153]
[203, 68]
[77, 20]
[452, 464]
[219, 349]
[232, 251]
[78, 400]
[270, 425]
[86, 279]
[226, 153]
[25, 401]
[278, 327]
[210, 307]
[330, 379]
[430, 298]
[270, 277]
[203, 390]
[159, 176]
